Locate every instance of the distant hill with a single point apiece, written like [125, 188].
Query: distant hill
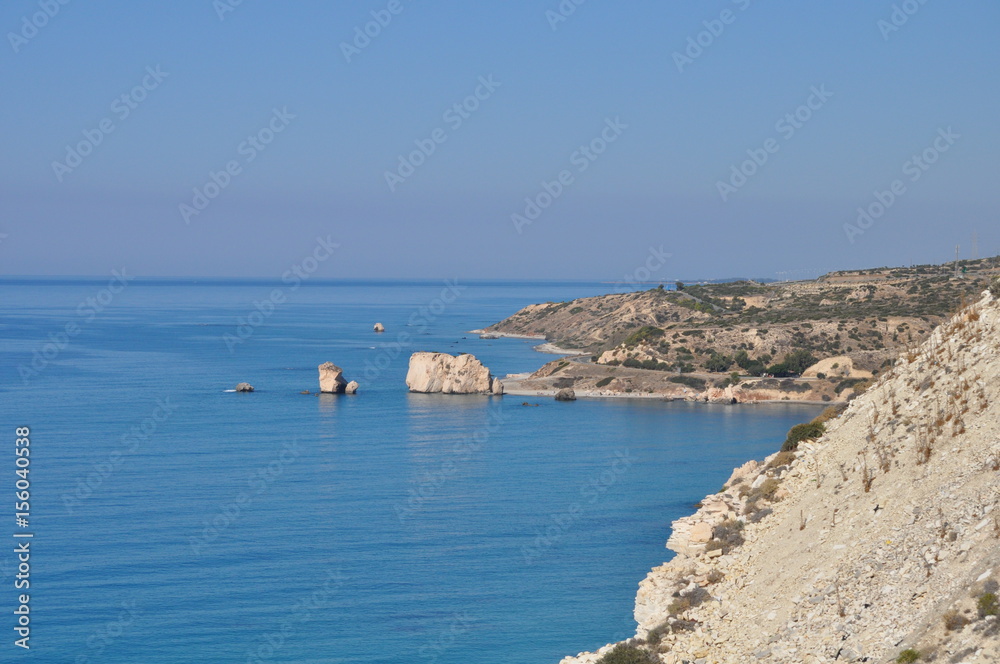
[756, 328]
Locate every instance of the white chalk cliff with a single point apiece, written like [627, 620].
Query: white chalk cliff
[878, 540]
[449, 374]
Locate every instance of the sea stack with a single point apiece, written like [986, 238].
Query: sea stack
[244, 387]
[352, 387]
[566, 394]
[379, 327]
[331, 379]
[449, 374]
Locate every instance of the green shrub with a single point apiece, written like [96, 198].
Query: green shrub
[625, 653]
[987, 605]
[688, 381]
[604, 381]
[846, 383]
[908, 656]
[718, 363]
[995, 287]
[801, 432]
[644, 333]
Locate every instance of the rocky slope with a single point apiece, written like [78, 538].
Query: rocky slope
[878, 541]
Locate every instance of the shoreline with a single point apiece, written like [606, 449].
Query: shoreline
[545, 347]
[512, 388]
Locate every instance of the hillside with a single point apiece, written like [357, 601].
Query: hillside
[874, 538]
[866, 315]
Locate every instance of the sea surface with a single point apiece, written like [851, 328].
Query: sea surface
[174, 520]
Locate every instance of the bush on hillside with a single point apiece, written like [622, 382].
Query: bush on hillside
[987, 605]
[718, 363]
[801, 432]
[644, 333]
[624, 653]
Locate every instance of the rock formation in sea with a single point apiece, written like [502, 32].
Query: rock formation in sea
[566, 394]
[331, 379]
[449, 374]
[379, 327]
[877, 539]
[352, 387]
[244, 387]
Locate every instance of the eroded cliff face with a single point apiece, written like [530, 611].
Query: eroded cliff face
[449, 374]
[879, 537]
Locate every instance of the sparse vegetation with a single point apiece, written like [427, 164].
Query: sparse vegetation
[801, 432]
[908, 656]
[986, 605]
[604, 381]
[954, 621]
[625, 653]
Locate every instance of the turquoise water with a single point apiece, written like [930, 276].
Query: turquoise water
[175, 521]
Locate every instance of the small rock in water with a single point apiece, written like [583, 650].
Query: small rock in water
[244, 387]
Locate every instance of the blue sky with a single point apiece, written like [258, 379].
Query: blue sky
[555, 86]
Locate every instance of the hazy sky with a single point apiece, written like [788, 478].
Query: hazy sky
[309, 115]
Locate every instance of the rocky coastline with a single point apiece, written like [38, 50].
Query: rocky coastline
[877, 540]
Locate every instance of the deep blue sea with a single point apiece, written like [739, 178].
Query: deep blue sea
[177, 521]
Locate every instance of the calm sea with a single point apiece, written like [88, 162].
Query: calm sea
[177, 521]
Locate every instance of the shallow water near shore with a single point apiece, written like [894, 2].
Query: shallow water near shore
[178, 521]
